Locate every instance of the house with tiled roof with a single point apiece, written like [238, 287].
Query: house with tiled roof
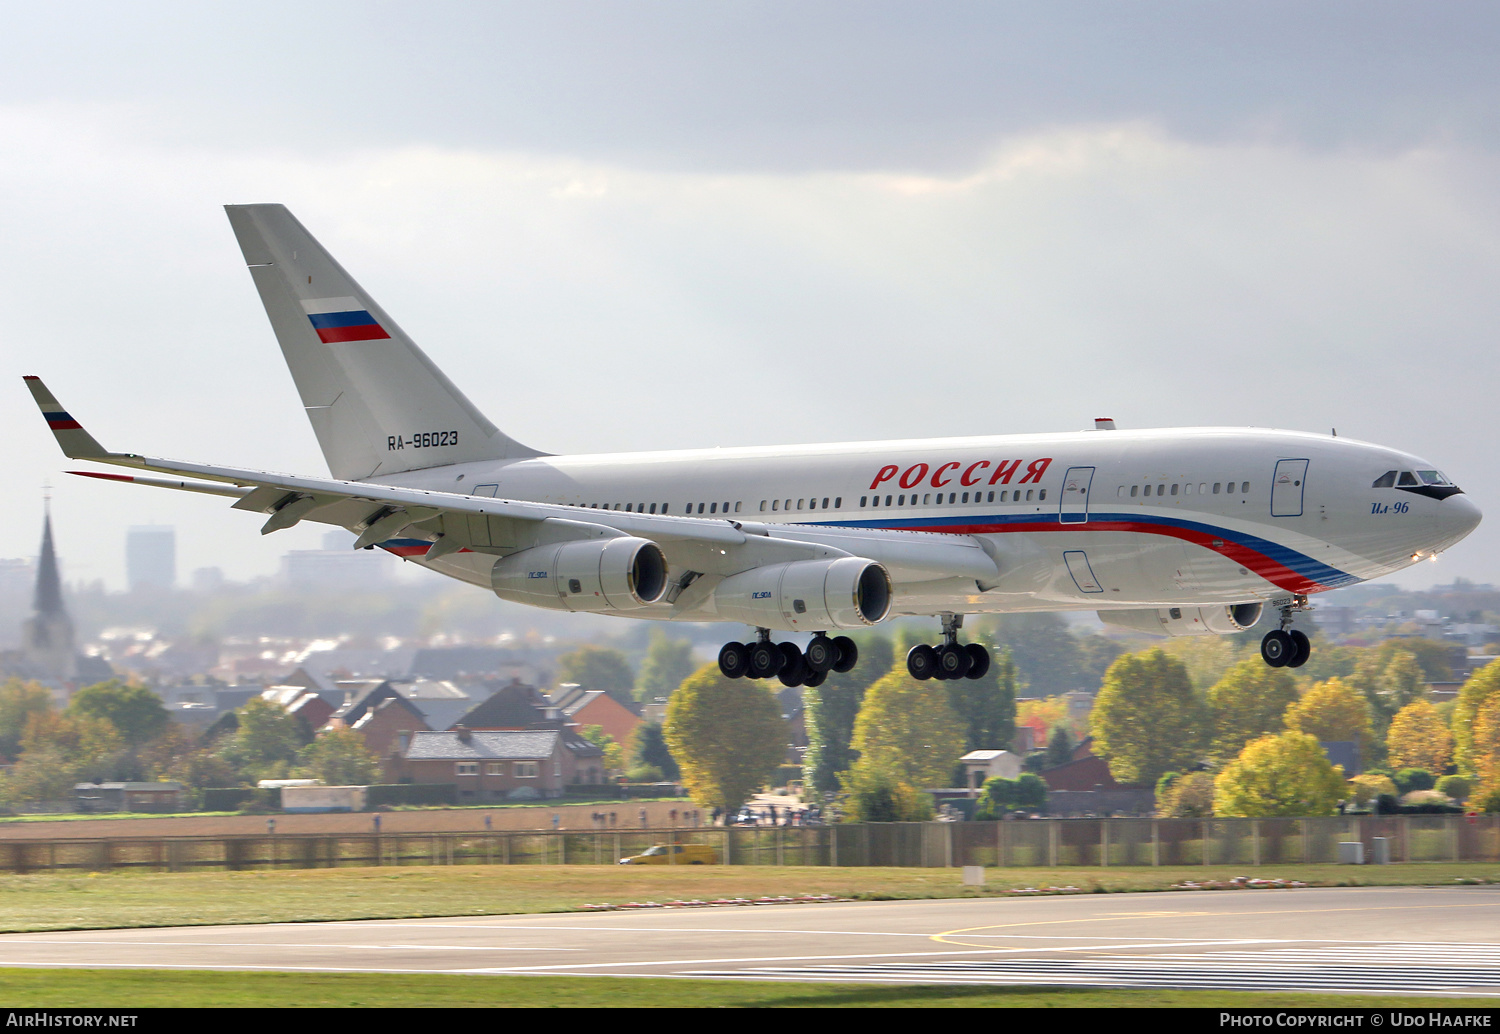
[585, 707]
[502, 765]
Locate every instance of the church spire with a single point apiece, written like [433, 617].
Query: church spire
[48, 600]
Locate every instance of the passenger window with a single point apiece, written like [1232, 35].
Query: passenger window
[1174, 489]
[627, 508]
[992, 497]
[1230, 488]
[965, 499]
[902, 500]
[1216, 487]
[1203, 488]
[862, 501]
[1042, 495]
[775, 505]
[1244, 487]
[700, 507]
[736, 506]
[762, 506]
[838, 502]
[825, 502]
[1028, 495]
[927, 498]
[1407, 478]
[951, 497]
[888, 500]
[1187, 489]
[1133, 490]
[1386, 480]
[799, 503]
[713, 507]
[1161, 490]
[653, 507]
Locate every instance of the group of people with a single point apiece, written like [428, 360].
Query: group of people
[770, 815]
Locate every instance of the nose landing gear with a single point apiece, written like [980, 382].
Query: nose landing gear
[951, 659]
[1282, 648]
[764, 659]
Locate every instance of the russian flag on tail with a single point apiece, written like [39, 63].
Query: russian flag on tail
[342, 319]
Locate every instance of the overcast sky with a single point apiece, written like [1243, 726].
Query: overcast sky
[658, 225]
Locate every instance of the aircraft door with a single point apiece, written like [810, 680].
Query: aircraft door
[1287, 485]
[1073, 507]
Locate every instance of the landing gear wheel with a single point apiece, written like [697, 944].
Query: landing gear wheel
[848, 654]
[734, 660]
[815, 679]
[979, 661]
[793, 666]
[820, 654]
[921, 662]
[1277, 648]
[1303, 647]
[953, 661]
[765, 660]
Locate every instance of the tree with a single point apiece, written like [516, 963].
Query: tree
[1059, 747]
[1045, 652]
[266, 742]
[1278, 776]
[1247, 703]
[830, 710]
[18, 702]
[1000, 796]
[1418, 738]
[1483, 685]
[667, 663]
[1188, 796]
[1486, 748]
[614, 754]
[339, 757]
[727, 735]
[597, 667]
[648, 748]
[909, 731]
[987, 705]
[875, 795]
[59, 750]
[1146, 720]
[1042, 716]
[1333, 711]
[134, 710]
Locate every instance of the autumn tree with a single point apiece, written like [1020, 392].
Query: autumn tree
[1485, 749]
[1146, 719]
[339, 757]
[614, 754]
[1481, 686]
[1418, 738]
[1281, 775]
[1247, 703]
[1333, 711]
[727, 735]
[58, 750]
[667, 663]
[877, 795]
[906, 729]
[598, 667]
[830, 710]
[18, 702]
[1189, 796]
[135, 711]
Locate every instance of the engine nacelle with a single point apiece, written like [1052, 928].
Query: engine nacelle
[1186, 620]
[807, 596]
[623, 573]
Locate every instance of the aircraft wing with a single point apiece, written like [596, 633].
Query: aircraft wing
[448, 522]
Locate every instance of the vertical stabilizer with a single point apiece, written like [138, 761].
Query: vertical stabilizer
[377, 404]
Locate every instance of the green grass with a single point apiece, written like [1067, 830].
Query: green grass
[102, 900]
[127, 989]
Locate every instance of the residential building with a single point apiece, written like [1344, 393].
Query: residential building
[505, 765]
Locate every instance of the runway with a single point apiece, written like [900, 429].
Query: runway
[1389, 939]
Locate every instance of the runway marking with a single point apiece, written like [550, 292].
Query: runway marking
[1105, 917]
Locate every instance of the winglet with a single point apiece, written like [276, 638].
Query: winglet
[76, 443]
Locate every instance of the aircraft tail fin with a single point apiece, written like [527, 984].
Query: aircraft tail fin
[376, 402]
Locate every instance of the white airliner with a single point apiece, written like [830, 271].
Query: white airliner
[1177, 532]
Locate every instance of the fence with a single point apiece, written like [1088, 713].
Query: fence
[1036, 842]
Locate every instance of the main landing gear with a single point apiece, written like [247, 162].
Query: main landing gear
[951, 660]
[764, 659]
[1286, 649]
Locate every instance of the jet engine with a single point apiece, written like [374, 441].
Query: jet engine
[1186, 620]
[808, 595]
[623, 573]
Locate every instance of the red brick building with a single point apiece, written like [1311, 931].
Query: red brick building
[505, 765]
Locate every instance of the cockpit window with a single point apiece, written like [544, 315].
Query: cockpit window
[1433, 477]
[1386, 480]
[1407, 478]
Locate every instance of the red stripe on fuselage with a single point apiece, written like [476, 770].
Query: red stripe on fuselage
[1273, 571]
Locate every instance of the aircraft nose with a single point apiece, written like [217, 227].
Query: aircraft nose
[1457, 516]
